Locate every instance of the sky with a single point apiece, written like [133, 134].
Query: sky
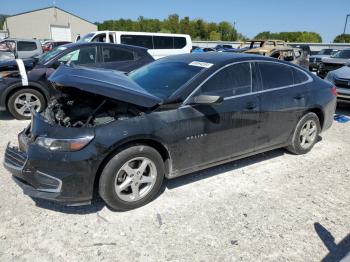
[251, 17]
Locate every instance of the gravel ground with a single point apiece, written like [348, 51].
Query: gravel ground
[270, 207]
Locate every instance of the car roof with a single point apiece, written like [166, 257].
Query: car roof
[78, 44]
[216, 58]
[20, 39]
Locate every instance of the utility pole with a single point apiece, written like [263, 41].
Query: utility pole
[346, 21]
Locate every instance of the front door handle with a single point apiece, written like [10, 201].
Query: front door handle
[251, 105]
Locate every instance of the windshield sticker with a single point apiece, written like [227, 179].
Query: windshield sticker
[201, 64]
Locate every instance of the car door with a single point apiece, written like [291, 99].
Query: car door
[117, 58]
[86, 56]
[26, 49]
[230, 127]
[283, 99]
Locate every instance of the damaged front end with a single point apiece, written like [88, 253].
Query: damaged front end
[80, 109]
[91, 97]
[60, 152]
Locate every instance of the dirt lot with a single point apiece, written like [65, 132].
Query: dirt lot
[270, 207]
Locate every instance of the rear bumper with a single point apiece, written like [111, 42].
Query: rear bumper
[343, 94]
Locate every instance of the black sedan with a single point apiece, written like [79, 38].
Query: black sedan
[180, 114]
[24, 85]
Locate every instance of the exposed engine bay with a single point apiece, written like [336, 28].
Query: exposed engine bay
[77, 108]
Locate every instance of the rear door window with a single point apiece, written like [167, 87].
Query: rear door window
[137, 40]
[230, 81]
[26, 46]
[111, 54]
[275, 75]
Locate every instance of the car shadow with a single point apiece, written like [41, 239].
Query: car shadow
[343, 109]
[213, 171]
[336, 251]
[96, 205]
[4, 115]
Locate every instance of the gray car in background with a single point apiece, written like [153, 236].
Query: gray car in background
[12, 48]
[315, 60]
[341, 79]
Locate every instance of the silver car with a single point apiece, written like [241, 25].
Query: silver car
[12, 48]
[341, 79]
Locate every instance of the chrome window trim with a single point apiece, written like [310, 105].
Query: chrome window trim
[309, 80]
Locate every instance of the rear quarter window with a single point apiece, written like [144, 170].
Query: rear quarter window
[299, 76]
[179, 42]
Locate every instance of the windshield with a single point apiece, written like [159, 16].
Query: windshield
[47, 56]
[344, 54]
[163, 78]
[87, 37]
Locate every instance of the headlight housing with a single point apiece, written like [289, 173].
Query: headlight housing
[65, 145]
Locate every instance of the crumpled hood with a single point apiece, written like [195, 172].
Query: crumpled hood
[332, 60]
[108, 83]
[343, 72]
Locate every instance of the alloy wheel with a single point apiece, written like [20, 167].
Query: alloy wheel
[308, 134]
[25, 102]
[135, 179]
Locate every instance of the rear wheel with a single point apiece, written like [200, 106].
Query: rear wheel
[305, 134]
[22, 101]
[132, 178]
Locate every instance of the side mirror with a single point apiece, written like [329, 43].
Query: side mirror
[56, 64]
[205, 100]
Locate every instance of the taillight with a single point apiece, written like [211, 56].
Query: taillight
[334, 91]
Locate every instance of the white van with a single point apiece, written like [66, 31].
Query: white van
[158, 44]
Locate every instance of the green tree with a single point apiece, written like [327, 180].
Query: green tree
[343, 38]
[214, 36]
[198, 29]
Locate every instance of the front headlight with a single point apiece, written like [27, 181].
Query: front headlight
[63, 144]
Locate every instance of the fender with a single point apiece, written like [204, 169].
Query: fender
[18, 85]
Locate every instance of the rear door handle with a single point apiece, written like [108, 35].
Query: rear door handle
[251, 105]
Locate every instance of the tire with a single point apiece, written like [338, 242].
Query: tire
[305, 134]
[117, 187]
[19, 103]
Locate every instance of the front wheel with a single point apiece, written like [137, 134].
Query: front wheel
[305, 134]
[21, 102]
[132, 178]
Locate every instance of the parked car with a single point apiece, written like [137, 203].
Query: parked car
[180, 114]
[11, 48]
[333, 62]
[315, 60]
[21, 90]
[279, 50]
[50, 44]
[224, 48]
[341, 79]
[158, 44]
